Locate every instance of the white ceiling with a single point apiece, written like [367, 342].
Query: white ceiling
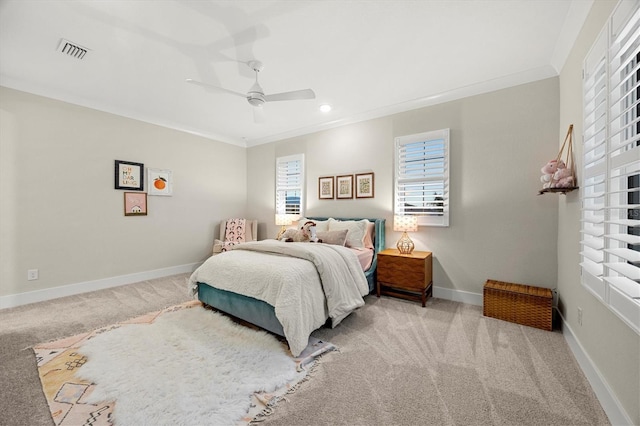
[366, 58]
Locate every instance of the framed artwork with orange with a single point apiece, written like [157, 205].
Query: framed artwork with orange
[159, 182]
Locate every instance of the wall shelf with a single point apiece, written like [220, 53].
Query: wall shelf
[557, 190]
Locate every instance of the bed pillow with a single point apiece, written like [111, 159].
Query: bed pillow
[321, 225]
[369, 236]
[357, 230]
[338, 238]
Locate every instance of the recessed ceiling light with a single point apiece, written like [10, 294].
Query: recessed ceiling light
[325, 108]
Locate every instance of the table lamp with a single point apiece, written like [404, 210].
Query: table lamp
[405, 224]
[283, 220]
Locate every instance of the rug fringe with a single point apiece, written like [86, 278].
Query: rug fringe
[273, 403]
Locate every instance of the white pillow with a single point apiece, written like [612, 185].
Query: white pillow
[357, 230]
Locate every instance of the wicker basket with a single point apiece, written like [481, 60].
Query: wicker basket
[518, 303]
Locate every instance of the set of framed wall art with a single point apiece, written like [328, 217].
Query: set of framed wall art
[129, 176]
[342, 187]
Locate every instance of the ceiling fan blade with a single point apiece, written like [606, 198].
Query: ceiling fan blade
[291, 96]
[258, 114]
[210, 86]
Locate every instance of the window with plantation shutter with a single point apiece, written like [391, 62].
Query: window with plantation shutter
[289, 184]
[610, 242]
[422, 177]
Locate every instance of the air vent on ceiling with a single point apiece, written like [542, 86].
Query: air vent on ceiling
[72, 49]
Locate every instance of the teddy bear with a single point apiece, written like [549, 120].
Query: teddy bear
[307, 233]
[563, 177]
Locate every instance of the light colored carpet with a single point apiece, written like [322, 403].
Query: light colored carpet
[445, 364]
[399, 363]
[22, 401]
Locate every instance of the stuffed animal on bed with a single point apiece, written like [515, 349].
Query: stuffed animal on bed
[306, 234]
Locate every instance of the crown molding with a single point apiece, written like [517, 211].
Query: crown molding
[503, 82]
[37, 90]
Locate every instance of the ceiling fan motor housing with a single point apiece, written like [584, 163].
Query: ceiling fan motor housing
[256, 99]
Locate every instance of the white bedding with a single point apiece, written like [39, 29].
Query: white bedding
[306, 283]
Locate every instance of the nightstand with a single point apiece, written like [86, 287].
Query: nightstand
[408, 276]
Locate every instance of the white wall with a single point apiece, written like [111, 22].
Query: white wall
[500, 228]
[613, 348]
[61, 214]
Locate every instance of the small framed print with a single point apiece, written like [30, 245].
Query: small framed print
[135, 203]
[129, 175]
[344, 187]
[325, 188]
[159, 182]
[364, 185]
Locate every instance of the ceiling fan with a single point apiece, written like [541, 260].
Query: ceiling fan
[255, 96]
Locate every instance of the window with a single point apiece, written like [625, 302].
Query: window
[610, 242]
[422, 177]
[289, 185]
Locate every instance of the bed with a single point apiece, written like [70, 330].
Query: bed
[291, 289]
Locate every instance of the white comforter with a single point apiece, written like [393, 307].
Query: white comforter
[306, 283]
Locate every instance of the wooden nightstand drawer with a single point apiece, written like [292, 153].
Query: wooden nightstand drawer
[409, 274]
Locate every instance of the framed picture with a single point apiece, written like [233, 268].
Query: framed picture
[135, 203]
[364, 185]
[129, 175]
[325, 188]
[159, 182]
[344, 186]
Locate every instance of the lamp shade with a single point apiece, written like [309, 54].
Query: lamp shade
[284, 219]
[405, 223]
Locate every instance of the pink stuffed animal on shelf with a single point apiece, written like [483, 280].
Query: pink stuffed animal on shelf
[548, 172]
[563, 177]
[555, 174]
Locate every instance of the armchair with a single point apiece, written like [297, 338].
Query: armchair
[251, 234]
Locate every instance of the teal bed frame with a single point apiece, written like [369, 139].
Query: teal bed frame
[263, 314]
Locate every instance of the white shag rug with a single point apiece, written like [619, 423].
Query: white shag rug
[189, 367]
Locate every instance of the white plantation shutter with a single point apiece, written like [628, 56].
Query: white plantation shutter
[594, 166]
[289, 184]
[422, 177]
[611, 198]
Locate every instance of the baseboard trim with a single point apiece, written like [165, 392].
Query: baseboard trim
[611, 405]
[19, 299]
[457, 295]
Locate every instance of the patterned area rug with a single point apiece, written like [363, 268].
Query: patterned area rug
[175, 392]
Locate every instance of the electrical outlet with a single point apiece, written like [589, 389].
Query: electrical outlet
[32, 274]
[580, 316]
